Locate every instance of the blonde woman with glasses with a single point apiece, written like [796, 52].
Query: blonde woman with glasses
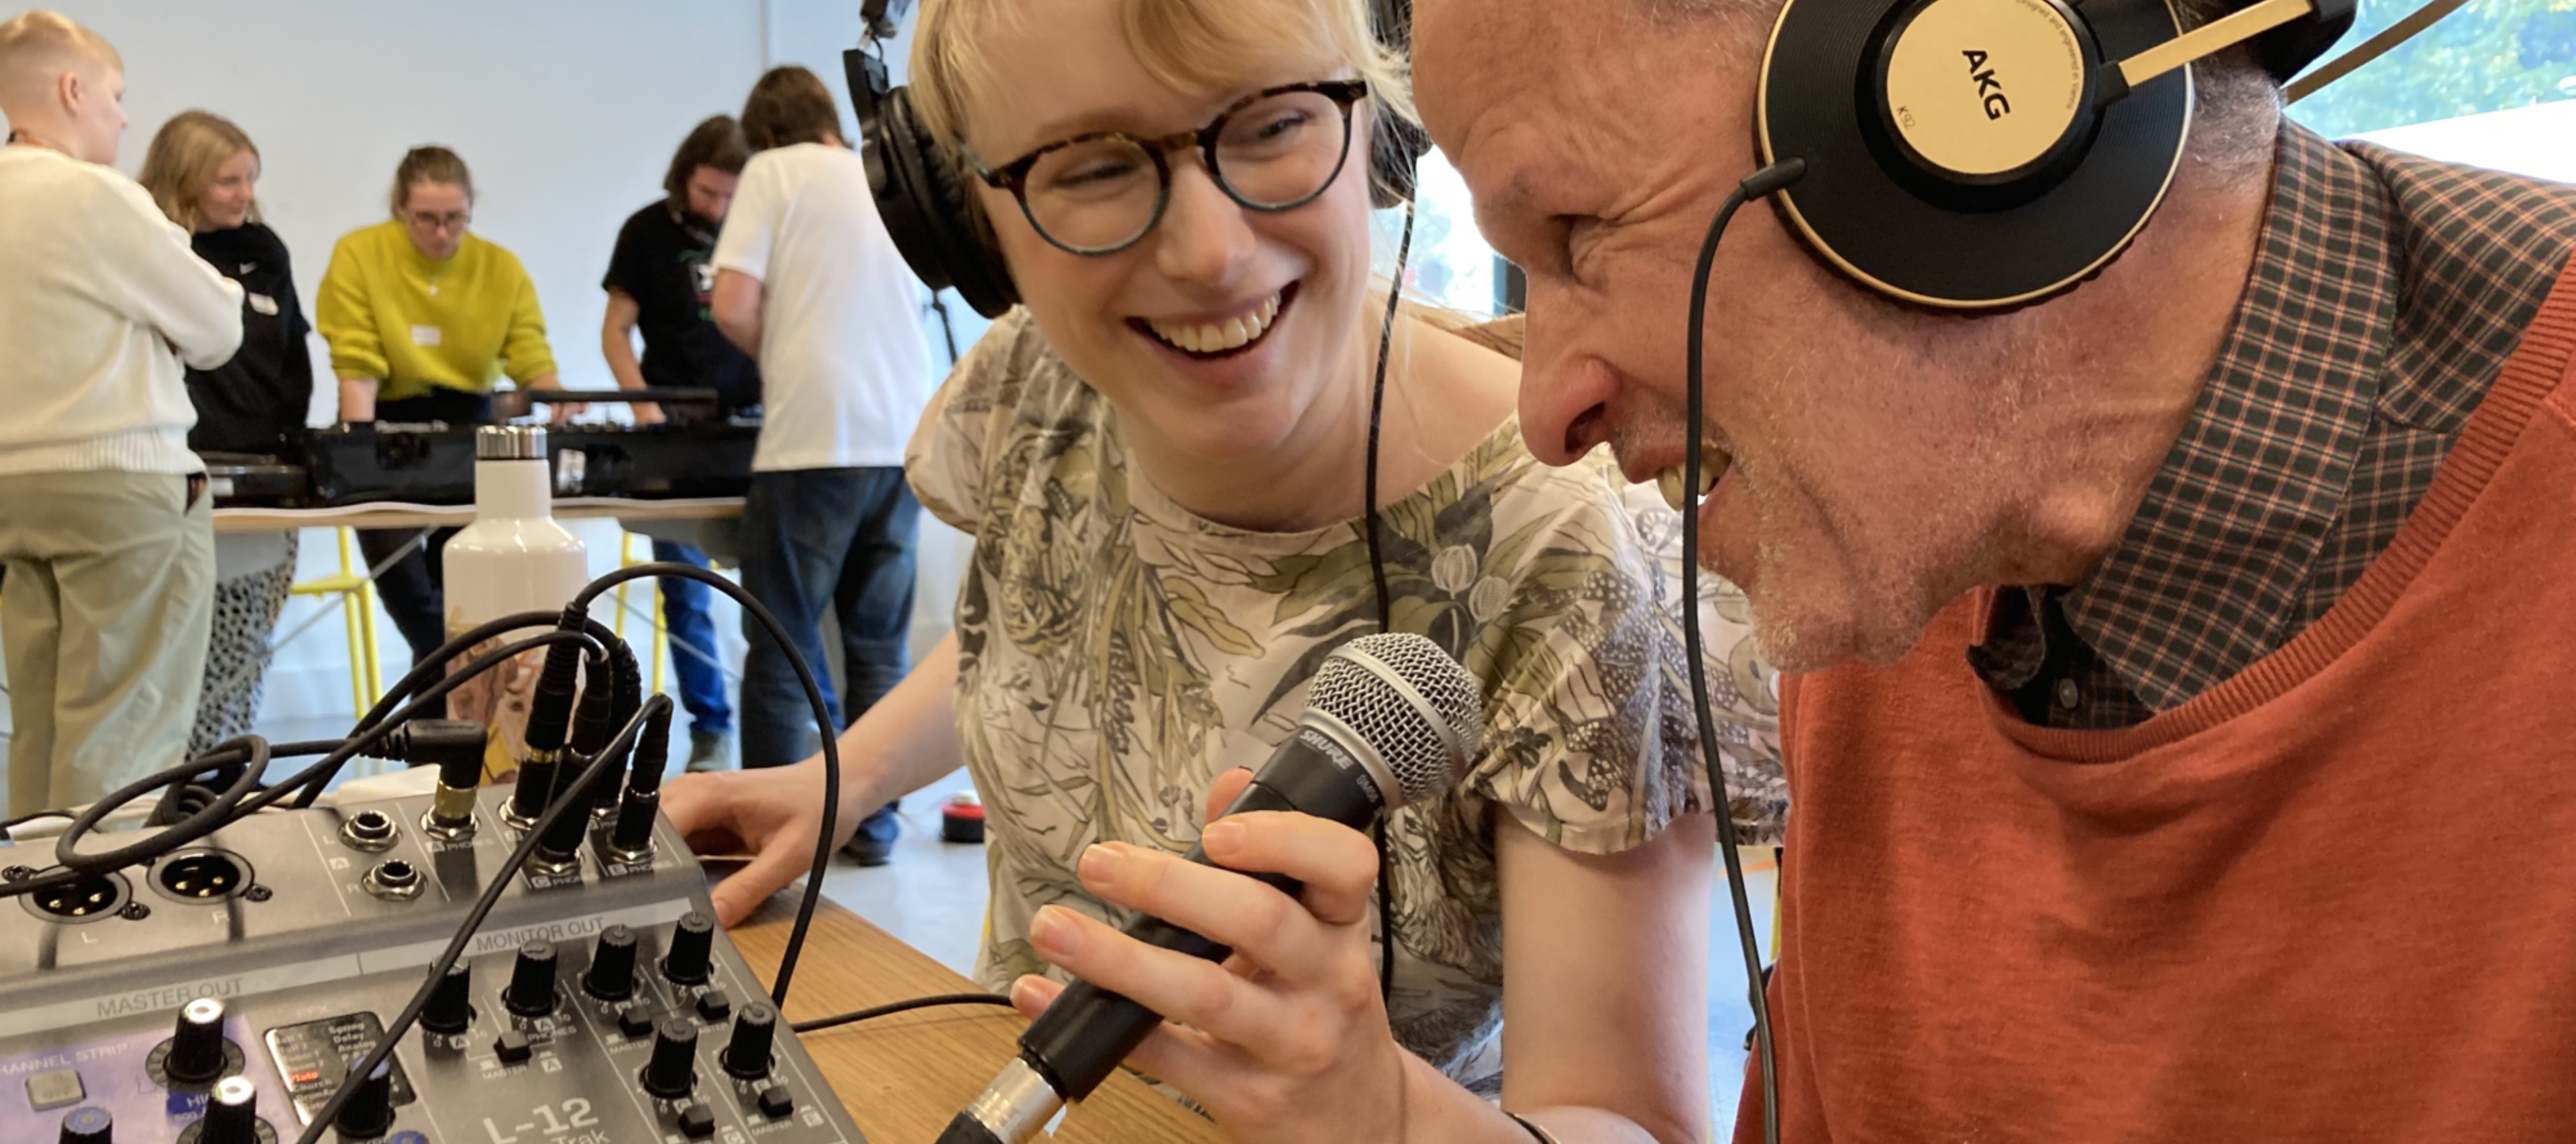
[203, 172]
[1160, 458]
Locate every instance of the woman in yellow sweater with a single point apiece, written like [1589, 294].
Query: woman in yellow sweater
[424, 319]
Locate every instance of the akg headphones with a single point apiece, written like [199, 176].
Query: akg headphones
[1982, 153]
[924, 206]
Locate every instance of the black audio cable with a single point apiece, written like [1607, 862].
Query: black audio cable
[933, 1001]
[627, 699]
[307, 783]
[430, 668]
[72, 865]
[1759, 184]
[777, 633]
[446, 960]
[1385, 602]
[248, 751]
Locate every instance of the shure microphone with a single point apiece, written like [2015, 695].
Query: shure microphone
[1390, 719]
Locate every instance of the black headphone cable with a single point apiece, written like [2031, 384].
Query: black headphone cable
[1757, 185]
[1385, 604]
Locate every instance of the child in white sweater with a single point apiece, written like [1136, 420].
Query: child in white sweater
[105, 529]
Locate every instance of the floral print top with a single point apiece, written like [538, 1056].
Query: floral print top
[1118, 652]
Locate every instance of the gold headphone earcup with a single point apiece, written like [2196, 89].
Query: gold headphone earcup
[1870, 209]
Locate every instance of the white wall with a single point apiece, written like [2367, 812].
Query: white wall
[567, 111]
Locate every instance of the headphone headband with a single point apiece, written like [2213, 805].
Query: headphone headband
[926, 208]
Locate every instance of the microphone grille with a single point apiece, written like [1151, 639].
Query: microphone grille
[1405, 697]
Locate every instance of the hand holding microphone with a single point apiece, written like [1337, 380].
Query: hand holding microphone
[1292, 1024]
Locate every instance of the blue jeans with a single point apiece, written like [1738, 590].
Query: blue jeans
[694, 657]
[814, 539]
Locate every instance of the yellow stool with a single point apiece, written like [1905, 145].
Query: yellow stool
[661, 635]
[358, 614]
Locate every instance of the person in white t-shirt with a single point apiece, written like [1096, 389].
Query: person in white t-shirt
[808, 282]
[106, 533]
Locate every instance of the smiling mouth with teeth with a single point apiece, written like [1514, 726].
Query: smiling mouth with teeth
[1208, 341]
[1713, 463]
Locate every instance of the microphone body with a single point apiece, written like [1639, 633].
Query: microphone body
[1391, 720]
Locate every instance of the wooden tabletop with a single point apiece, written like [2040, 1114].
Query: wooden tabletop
[457, 516]
[904, 1077]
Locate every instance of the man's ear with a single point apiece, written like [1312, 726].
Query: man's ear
[69, 90]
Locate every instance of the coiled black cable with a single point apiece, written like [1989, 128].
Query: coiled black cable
[254, 754]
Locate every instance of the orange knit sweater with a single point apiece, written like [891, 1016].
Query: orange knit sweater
[2330, 900]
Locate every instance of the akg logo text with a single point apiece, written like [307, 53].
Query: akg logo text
[1989, 89]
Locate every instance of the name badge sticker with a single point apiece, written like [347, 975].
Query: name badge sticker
[424, 335]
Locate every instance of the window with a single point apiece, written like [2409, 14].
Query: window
[2489, 84]
[1451, 265]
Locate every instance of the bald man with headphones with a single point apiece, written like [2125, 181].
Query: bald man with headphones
[2164, 514]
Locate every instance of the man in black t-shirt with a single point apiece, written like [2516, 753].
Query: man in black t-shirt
[659, 280]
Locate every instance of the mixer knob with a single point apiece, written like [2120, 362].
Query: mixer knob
[232, 1114]
[612, 965]
[672, 1072]
[451, 1004]
[532, 981]
[746, 1056]
[90, 1125]
[691, 944]
[370, 1110]
[197, 1046]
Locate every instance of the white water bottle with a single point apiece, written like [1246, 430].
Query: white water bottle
[515, 557]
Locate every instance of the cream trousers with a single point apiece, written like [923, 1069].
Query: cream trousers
[103, 617]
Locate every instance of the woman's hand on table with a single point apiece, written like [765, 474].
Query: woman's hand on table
[770, 813]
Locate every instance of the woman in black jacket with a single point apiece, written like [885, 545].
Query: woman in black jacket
[202, 169]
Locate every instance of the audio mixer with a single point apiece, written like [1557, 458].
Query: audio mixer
[220, 994]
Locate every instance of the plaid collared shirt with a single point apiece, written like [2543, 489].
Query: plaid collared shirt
[2386, 293]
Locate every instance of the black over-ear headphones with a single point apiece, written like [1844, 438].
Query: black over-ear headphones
[924, 206]
[1982, 153]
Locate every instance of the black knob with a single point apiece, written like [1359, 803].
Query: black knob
[532, 981]
[451, 1004]
[673, 1070]
[747, 1054]
[232, 1113]
[89, 1125]
[691, 943]
[370, 1110]
[612, 965]
[197, 1047]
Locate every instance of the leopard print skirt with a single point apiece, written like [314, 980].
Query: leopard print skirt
[237, 652]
